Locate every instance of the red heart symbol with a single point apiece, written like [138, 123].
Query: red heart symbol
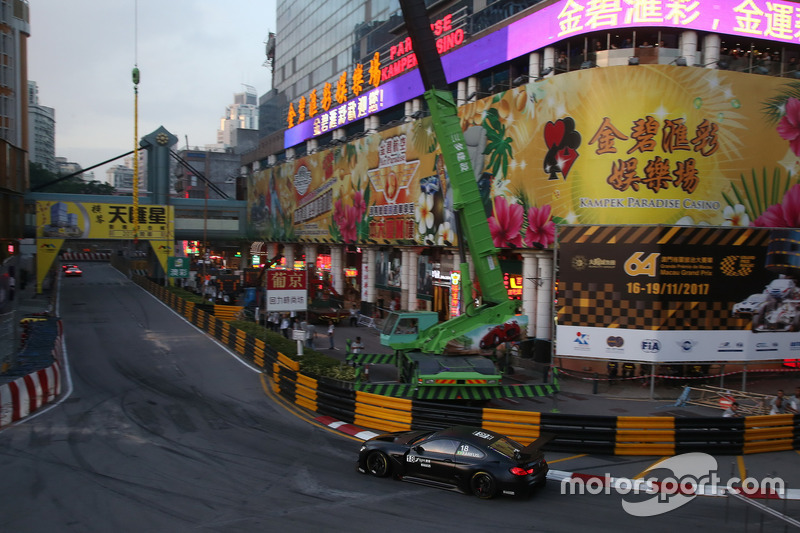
[567, 156]
[554, 133]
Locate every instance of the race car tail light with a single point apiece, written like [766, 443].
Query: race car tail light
[517, 471]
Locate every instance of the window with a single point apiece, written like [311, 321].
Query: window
[442, 446]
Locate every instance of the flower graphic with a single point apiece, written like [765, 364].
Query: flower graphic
[783, 215]
[445, 236]
[424, 213]
[541, 230]
[506, 223]
[735, 216]
[789, 126]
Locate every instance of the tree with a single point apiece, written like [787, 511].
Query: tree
[40, 176]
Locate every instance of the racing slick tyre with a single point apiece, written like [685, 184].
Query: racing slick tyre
[378, 464]
[483, 486]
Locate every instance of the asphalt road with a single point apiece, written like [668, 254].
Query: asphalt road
[164, 430]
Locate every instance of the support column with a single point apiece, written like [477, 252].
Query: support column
[409, 277]
[711, 45]
[461, 93]
[368, 277]
[549, 59]
[288, 256]
[535, 65]
[689, 47]
[544, 296]
[530, 288]
[311, 255]
[337, 267]
[472, 87]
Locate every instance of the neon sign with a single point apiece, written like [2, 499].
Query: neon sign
[455, 293]
[513, 283]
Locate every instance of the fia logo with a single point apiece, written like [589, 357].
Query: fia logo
[651, 346]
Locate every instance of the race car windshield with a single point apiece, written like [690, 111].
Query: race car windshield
[506, 447]
[419, 438]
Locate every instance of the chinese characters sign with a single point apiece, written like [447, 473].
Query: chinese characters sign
[72, 220]
[286, 290]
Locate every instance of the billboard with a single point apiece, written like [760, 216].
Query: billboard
[690, 146]
[676, 294]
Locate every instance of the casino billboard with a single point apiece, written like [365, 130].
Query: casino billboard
[678, 294]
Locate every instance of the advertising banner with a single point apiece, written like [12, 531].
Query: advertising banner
[696, 146]
[675, 294]
[287, 290]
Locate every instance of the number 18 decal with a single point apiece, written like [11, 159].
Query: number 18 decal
[636, 266]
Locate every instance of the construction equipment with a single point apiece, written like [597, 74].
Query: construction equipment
[420, 341]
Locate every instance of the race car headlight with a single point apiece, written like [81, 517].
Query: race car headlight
[362, 449]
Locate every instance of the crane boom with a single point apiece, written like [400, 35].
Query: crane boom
[472, 225]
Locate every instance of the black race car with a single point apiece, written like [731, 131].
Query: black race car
[466, 459]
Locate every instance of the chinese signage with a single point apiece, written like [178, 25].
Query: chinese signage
[334, 107]
[178, 267]
[760, 19]
[286, 290]
[678, 294]
[692, 148]
[82, 220]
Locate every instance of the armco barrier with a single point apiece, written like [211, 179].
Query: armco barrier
[623, 435]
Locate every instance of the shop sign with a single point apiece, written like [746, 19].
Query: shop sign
[455, 294]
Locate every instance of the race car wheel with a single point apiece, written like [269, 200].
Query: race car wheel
[483, 485]
[378, 464]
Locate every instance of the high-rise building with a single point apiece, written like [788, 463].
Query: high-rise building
[42, 142]
[14, 137]
[241, 115]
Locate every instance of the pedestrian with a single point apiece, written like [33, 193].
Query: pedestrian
[357, 346]
[311, 331]
[793, 405]
[778, 404]
[732, 411]
[628, 370]
[353, 316]
[330, 334]
[285, 326]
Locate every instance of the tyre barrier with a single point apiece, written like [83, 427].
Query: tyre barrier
[609, 435]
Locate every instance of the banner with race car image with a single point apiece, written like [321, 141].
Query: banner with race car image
[678, 293]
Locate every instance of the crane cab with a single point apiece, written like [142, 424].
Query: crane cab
[405, 327]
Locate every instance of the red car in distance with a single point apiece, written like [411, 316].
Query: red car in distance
[73, 270]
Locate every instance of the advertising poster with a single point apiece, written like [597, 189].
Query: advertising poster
[696, 146]
[675, 294]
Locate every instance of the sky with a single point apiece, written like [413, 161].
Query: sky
[193, 56]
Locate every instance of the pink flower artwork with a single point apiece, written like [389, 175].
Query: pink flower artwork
[541, 230]
[783, 215]
[789, 126]
[506, 224]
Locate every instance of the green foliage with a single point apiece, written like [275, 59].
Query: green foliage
[40, 176]
[760, 192]
[186, 295]
[498, 146]
[775, 107]
[312, 362]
